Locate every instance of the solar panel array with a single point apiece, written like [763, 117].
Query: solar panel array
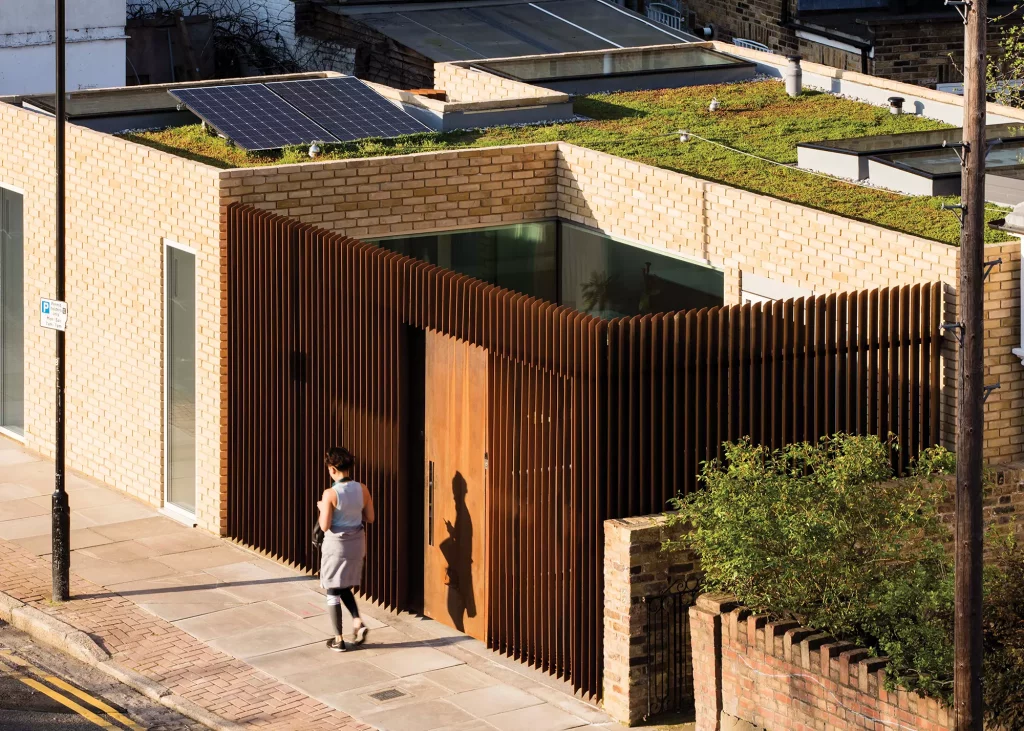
[269, 116]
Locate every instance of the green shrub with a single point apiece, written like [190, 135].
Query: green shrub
[822, 533]
[1004, 636]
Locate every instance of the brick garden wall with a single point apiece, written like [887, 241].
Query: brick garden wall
[123, 200]
[636, 568]
[1003, 504]
[779, 676]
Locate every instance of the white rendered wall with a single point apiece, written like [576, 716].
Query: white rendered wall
[95, 45]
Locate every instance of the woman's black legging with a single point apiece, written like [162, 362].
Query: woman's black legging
[337, 597]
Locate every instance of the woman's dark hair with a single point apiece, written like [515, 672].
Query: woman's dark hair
[340, 459]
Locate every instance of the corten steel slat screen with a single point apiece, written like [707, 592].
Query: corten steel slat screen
[589, 419]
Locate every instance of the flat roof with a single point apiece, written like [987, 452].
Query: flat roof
[913, 140]
[757, 117]
[477, 29]
[121, 100]
[589, 66]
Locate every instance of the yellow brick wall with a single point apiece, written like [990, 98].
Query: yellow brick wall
[388, 195]
[122, 201]
[125, 199]
[471, 85]
[745, 233]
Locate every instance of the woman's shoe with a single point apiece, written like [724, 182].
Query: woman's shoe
[359, 635]
[337, 645]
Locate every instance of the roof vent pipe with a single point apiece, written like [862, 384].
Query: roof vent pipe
[793, 75]
[896, 105]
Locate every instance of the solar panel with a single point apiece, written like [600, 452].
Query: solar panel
[269, 116]
[251, 116]
[347, 108]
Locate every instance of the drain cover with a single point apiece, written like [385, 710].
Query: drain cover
[387, 695]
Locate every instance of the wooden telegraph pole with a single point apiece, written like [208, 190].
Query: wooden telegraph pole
[968, 711]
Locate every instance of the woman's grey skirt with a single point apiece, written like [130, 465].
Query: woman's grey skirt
[341, 559]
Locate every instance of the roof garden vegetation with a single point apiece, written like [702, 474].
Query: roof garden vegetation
[755, 117]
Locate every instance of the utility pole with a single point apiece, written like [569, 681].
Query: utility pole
[61, 555]
[968, 711]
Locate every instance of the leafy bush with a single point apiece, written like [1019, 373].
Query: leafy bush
[1004, 636]
[822, 533]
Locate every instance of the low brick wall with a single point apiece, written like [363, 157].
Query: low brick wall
[778, 676]
[635, 569]
[464, 84]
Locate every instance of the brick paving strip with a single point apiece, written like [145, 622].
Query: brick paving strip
[165, 654]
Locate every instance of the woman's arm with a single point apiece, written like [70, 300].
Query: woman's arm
[326, 505]
[368, 515]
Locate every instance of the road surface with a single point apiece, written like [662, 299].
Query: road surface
[44, 690]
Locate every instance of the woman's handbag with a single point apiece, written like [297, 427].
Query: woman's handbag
[318, 536]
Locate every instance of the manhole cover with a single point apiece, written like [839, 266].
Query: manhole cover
[387, 695]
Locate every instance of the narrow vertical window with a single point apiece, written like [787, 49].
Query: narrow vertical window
[180, 377]
[12, 314]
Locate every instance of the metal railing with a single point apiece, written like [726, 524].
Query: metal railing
[666, 15]
[754, 45]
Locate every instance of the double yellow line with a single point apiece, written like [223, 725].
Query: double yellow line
[19, 668]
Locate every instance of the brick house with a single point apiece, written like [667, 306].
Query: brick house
[913, 42]
[171, 261]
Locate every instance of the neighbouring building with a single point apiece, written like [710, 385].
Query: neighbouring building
[910, 41]
[519, 341]
[397, 43]
[226, 38]
[95, 50]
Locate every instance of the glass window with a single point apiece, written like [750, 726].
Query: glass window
[180, 397]
[607, 278]
[521, 257]
[12, 313]
[570, 265]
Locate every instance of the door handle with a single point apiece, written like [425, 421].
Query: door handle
[430, 503]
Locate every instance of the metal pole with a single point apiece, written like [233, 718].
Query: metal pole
[968, 710]
[61, 511]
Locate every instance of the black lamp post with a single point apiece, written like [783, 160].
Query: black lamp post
[61, 511]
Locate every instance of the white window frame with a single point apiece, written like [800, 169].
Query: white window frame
[170, 510]
[20, 191]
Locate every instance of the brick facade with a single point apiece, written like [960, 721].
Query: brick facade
[746, 233]
[388, 195]
[778, 676]
[917, 49]
[123, 201]
[463, 84]
[376, 57]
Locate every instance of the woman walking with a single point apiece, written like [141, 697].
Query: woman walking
[345, 506]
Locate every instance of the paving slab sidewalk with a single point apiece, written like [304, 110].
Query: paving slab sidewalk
[243, 636]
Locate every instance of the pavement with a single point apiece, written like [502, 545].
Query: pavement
[42, 689]
[243, 636]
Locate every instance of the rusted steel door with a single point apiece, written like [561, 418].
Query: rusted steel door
[455, 415]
